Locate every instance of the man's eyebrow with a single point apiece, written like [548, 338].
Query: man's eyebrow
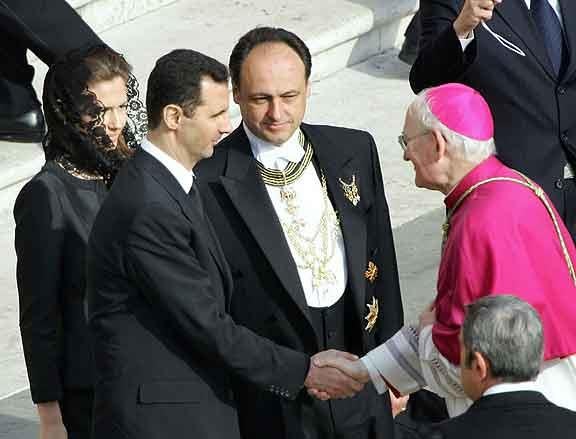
[260, 95]
[224, 110]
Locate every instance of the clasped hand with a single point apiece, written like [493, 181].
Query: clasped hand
[335, 375]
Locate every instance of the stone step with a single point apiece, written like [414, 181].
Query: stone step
[105, 14]
[339, 34]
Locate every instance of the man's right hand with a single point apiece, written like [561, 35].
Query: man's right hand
[327, 382]
[472, 14]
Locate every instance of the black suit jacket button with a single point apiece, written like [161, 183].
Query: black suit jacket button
[561, 90]
[559, 183]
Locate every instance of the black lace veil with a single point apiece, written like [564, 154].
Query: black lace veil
[76, 134]
[137, 122]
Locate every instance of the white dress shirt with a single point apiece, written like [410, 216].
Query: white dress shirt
[309, 198]
[512, 387]
[184, 176]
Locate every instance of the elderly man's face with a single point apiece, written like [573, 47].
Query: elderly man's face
[421, 151]
[273, 91]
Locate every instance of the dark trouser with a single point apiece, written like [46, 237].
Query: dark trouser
[365, 416]
[76, 407]
[569, 193]
[49, 28]
[423, 408]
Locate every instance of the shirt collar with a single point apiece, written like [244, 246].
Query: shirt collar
[184, 177]
[275, 156]
[511, 387]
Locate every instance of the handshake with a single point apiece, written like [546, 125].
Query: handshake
[335, 375]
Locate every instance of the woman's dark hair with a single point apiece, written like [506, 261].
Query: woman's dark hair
[262, 35]
[67, 103]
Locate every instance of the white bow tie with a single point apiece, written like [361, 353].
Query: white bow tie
[277, 157]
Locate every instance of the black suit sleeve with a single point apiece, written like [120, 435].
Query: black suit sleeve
[39, 247]
[168, 272]
[387, 284]
[440, 58]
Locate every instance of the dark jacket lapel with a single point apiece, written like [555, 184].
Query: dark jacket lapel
[165, 179]
[247, 192]
[517, 17]
[338, 162]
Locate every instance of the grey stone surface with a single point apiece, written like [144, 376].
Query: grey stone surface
[105, 14]
[18, 417]
[12, 369]
[339, 33]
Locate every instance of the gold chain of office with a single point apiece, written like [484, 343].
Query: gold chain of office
[293, 171]
[317, 250]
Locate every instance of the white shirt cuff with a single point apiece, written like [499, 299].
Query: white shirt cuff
[397, 362]
[441, 376]
[465, 42]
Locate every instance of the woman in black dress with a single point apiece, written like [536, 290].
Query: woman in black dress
[88, 98]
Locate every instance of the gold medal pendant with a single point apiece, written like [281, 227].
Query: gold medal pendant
[372, 315]
[350, 190]
[288, 196]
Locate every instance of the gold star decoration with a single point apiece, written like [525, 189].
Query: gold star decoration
[372, 315]
[371, 272]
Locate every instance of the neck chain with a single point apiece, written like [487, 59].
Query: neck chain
[315, 251]
[73, 170]
[274, 177]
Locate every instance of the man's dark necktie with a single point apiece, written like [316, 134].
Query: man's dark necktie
[549, 25]
[196, 201]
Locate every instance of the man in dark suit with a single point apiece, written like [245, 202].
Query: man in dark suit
[49, 28]
[159, 286]
[521, 56]
[302, 217]
[501, 353]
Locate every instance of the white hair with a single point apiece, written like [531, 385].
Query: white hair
[469, 149]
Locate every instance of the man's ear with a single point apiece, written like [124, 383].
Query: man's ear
[308, 88]
[440, 144]
[171, 115]
[481, 366]
[235, 94]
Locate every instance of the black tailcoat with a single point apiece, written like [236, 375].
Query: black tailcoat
[268, 296]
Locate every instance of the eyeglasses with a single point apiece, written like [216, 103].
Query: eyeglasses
[403, 141]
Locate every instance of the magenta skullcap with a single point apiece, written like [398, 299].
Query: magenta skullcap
[462, 110]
